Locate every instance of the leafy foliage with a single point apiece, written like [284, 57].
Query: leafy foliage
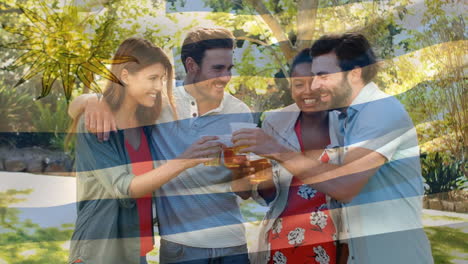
[76, 41]
[53, 121]
[14, 107]
[27, 123]
[442, 177]
[436, 80]
[25, 242]
[68, 49]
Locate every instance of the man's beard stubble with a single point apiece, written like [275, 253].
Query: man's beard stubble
[342, 94]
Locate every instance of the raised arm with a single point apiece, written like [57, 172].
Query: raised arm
[78, 105]
[370, 147]
[359, 165]
[342, 182]
[104, 161]
[194, 155]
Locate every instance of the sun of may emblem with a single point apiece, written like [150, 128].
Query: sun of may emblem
[58, 45]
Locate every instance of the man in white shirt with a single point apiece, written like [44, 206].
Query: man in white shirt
[198, 213]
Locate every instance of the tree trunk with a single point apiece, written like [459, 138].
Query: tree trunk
[307, 14]
[275, 26]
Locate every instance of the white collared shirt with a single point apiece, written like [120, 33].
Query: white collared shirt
[383, 221]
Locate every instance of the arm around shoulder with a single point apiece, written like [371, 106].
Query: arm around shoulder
[78, 105]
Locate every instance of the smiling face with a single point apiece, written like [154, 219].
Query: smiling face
[213, 74]
[301, 82]
[145, 85]
[330, 82]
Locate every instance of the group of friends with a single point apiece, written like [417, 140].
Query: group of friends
[344, 182]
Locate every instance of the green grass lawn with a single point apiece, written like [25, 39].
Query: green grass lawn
[447, 232]
[449, 243]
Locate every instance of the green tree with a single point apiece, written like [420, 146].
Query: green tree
[438, 102]
[53, 38]
[29, 67]
[25, 242]
[271, 32]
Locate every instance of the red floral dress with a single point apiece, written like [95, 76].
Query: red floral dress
[304, 232]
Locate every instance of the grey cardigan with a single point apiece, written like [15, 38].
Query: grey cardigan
[107, 227]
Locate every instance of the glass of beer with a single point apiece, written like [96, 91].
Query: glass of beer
[216, 157]
[262, 167]
[230, 156]
[216, 161]
[229, 152]
[237, 126]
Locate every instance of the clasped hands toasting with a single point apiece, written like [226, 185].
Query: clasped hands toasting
[246, 152]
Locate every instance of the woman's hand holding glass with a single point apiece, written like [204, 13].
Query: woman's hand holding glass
[256, 171]
[255, 140]
[205, 149]
[259, 168]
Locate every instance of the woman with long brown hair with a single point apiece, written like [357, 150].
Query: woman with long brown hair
[115, 178]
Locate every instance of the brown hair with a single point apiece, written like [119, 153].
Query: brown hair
[352, 50]
[201, 39]
[143, 54]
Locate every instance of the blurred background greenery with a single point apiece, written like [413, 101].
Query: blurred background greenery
[421, 43]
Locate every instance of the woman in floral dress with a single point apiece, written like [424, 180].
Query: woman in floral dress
[299, 226]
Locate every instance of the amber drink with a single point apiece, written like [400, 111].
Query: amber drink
[215, 158]
[237, 126]
[262, 172]
[215, 161]
[230, 155]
